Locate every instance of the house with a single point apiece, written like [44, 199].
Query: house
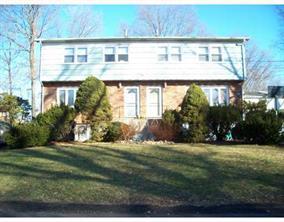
[274, 97]
[144, 75]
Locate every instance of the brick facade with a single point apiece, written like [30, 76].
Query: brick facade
[172, 93]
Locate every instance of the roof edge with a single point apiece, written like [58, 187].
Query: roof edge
[146, 38]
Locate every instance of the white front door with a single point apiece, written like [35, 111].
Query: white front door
[131, 102]
[154, 102]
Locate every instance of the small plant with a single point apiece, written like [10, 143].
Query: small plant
[119, 131]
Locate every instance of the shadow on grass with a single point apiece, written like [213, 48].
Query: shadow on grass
[165, 173]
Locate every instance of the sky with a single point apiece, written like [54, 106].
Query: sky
[258, 22]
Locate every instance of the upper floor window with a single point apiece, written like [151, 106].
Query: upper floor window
[163, 54]
[176, 54]
[82, 55]
[109, 54]
[69, 55]
[66, 96]
[122, 54]
[216, 54]
[203, 54]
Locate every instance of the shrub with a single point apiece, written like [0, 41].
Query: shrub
[60, 121]
[221, 119]
[260, 127]
[114, 132]
[167, 129]
[193, 112]
[92, 101]
[128, 131]
[26, 135]
[119, 131]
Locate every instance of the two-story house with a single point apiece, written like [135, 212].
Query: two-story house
[144, 75]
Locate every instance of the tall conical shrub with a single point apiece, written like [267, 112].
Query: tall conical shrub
[193, 113]
[92, 101]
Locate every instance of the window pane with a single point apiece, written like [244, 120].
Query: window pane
[131, 102]
[175, 50]
[61, 97]
[203, 58]
[216, 58]
[68, 59]
[81, 58]
[69, 51]
[163, 50]
[123, 57]
[82, 51]
[122, 50]
[109, 50]
[153, 102]
[70, 95]
[109, 58]
[203, 50]
[215, 97]
[207, 94]
[216, 50]
[223, 96]
[176, 57]
[163, 57]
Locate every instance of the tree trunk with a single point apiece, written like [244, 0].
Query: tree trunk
[32, 65]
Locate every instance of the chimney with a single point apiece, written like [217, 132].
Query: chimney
[125, 33]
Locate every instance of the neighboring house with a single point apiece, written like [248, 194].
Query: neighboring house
[273, 100]
[144, 75]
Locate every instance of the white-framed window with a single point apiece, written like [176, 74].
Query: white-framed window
[216, 54]
[122, 54]
[216, 95]
[116, 54]
[131, 101]
[163, 54]
[66, 96]
[82, 55]
[175, 53]
[109, 54]
[69, 55]
[154, 101]
[203, 55]
[169, 53]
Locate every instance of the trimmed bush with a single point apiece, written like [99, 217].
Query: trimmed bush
[26, 135]
[114, 132]
[60, 121]
[221, 119]
[193, 113]
[119, 131]
[92, 101]
[260, 128]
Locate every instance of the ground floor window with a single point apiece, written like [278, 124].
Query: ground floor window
[154, 102]
[131, 101]
[66, 96]
[216, 95]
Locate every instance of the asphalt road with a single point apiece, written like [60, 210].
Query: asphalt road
[39, 209]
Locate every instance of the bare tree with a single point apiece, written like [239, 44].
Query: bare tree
[8, 57]
[23, 25]
[259, 69]
[166, 21]
[280, 11]
[83, 21]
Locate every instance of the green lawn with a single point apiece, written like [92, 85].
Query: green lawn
[163, 175]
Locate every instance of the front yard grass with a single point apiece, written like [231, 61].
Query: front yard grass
[101, 173]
